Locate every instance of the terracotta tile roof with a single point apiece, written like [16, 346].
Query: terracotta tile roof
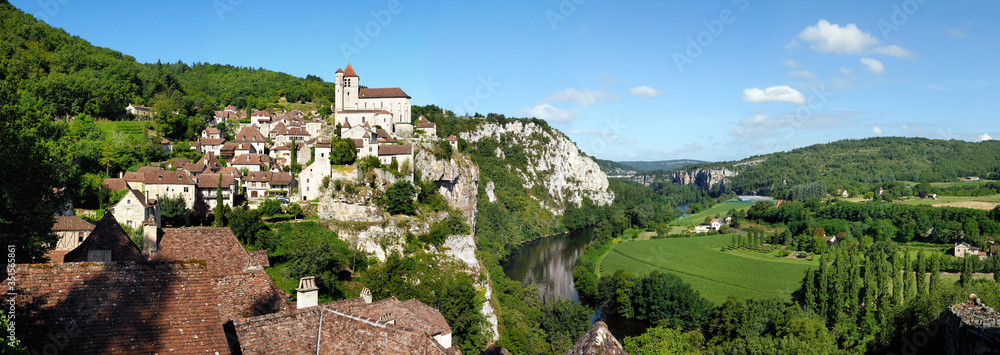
[107, 235]
[260, 257]
[149, 169]
[230, 146]
[411, 314]
[164, 141]
[119, 308]
[211, 162]
[260, 113]
[281, 179]
[349, 71]
[297, 131]
[358, 143]
[394, 149]
[219, 247]
[258, 176]
[179, 162]
[57, 255]
[139, 196]
[211, 141]
[339, 70]
[235, 172]
[452, 138]
[378, 93]
[176, 177]
[71, 223]
[115, 184]
[212, 130]
[194, 168]
[324, 144]
[346, 125]
[140, 107]
[249, 134]
[248, 294]
[261, 160]
[426, 125]
[279, 129]
[211, 181]
[302, 331]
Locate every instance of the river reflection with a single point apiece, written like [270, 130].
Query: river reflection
[548, 263]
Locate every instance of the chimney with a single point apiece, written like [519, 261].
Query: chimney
[388, 318]
[366, 295]
[149, 232]
[307, 293]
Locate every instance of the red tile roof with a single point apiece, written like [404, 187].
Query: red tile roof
[211, 141]
[211, 162]
[260, 113]
[426, 125]
[349, 71]
[281, 179]
[339, 332]
[71, 223]
[107, 235]
[119, 308]
[261, 160]
[217, 246]
[394, 149]
[378, 93]
[115, 184]
[340, 70]
[175, 177]
[179, 162]
[411, 314]
[249, 134]
[212, 130]
[148, 169]
[211, 181]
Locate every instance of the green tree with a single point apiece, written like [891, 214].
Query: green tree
[564, 321]
[342, 152]
[270, 207]
[398, 198]
[174, 211]
[294, 210]
[663, 340]
[661, 297]
[246, 225]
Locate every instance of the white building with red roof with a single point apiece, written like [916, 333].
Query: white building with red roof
[385, 107]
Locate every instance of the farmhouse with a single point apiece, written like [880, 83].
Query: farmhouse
[138, 111]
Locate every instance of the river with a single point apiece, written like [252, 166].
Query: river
[548, 263]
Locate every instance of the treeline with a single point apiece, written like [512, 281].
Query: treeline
[881, 220]
[61, 75]
[863, 164]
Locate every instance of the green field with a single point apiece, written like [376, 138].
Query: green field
[719, 209]
[716, 274]
[126, 127]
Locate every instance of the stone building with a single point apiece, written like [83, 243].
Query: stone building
[134, 208]
[385, 107]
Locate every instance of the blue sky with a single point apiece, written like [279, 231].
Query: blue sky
[637, 80]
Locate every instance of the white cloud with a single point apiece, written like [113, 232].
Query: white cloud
[802, 74]
[790, 63]
[938, 88]
[548, 112]
[831, 38]
[780, 93]
[876, 130]
[645, 91]
[826, 37]
[845, 71]
[894, 51]
[874, 65]
[606, 135]
[955, 32]
[582, 98]
[985, 137]
[792, 45]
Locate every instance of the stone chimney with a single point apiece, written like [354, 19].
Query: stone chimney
[307, 293]
[149, 233]
[366, 295]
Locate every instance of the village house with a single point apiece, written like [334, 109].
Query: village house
[265, 184]
[963, 249]
[714, 224]
[72, 230]
[134, 209]
[254, 162]
[138, 111]
[251, 135]
[208, 184]
[453, 142]
[166, 146]
[387, 154]
[385, 107]
[167, 183]
[210, 145]
[311, 177]
[429, 128]
[211, 133]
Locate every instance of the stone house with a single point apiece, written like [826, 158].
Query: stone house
[208, 186]
[251, 134]
[311, 178]
[254, 162]
[210, 145]
[715, 224]
[72, 230]
[134, 208]
[263, 184]
[211, 133]
[356, 105]
[429, 128]
[167, 183]
[398, 153]
[107, 242]
[138, 111]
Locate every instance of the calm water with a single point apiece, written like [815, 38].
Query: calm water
[548, 263]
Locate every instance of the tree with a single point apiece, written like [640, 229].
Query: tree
[173, 211]
[270, 208]
[294, 210]
[661, 297]
[663, 340]
[564, 321]
[398, 198]
[342, 152]
[246, 225]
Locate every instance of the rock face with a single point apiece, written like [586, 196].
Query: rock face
[553, 161]
[598, 340]
[704, 178]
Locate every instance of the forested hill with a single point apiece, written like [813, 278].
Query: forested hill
[862, 162]
[661, 164]
[58, 75]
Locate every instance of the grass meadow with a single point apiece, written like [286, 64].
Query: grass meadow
[715, 274]
[719, 209]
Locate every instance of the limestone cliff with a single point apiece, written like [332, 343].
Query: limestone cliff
[704, 178]
[553, 161]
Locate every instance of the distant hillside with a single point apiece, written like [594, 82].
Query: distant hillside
[662, 164]
[613, 168]
[859, 164]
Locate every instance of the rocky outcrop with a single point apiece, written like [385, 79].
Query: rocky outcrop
[554, 161]
[597, 341]
[704, 178]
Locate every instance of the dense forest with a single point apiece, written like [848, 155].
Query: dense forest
[857, 165]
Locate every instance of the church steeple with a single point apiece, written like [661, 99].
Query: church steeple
[349, 72]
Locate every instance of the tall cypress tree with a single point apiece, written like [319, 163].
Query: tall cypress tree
[921, 277]
[897, 279]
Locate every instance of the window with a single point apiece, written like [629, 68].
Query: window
[79, 238]
[185, 189]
